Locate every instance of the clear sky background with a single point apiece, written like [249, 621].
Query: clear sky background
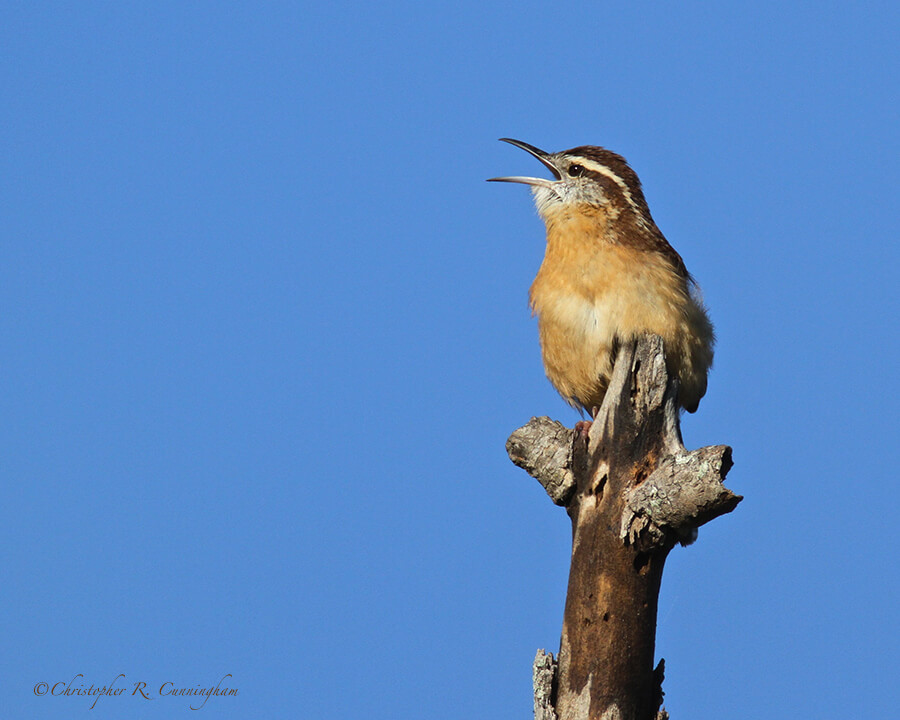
[265, 333]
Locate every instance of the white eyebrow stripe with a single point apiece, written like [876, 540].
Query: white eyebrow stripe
[603, 170]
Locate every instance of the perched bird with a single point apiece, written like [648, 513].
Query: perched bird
[609, 275]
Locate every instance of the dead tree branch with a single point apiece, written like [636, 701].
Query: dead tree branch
[632, 491]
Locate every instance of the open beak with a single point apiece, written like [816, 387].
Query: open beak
[540, 155]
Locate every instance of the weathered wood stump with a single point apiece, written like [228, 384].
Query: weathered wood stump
[632, 491]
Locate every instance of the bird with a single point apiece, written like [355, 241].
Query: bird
[608, 276]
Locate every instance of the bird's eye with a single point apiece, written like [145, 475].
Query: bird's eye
[575, 170]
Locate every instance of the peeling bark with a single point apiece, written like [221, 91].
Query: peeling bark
[544, 678]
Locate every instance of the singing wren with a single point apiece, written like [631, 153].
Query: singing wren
[609, 275]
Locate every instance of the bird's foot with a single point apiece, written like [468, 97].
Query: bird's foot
[583, 427]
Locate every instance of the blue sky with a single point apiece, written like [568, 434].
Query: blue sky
[265, 333]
